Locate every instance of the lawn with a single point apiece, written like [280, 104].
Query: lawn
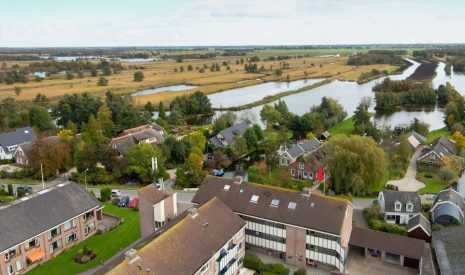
[345, 127]
[433, 183]
[437, 133]
[25, 181]
[105, 245]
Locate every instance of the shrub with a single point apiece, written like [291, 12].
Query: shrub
[252, 261]
[10, 189]
[301, 271]
[396, 229]
[377, 224]
[105, 194]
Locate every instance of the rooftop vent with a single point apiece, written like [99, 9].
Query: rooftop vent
[312, 205]
[274, 203]
[242, 190]
[226, 187]
[254, 199]
[26, 131]
[192, 212]
[131, 256]
[292, 205]
[205, 224]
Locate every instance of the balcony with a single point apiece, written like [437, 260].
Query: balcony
[227, 258]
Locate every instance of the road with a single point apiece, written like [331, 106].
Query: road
[409, 182]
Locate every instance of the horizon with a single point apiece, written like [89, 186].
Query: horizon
[202, 23]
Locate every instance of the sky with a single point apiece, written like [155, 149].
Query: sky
[52, 23]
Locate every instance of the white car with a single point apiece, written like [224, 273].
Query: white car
[115, 193]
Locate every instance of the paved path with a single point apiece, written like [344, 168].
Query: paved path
[409, 182]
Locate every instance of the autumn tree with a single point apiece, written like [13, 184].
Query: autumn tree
[104, 119]
[53, 155]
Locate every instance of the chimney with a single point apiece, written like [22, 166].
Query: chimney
[192, 212]
[131, 256]
[238, 180]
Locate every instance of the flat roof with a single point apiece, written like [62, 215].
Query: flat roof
[391, 243]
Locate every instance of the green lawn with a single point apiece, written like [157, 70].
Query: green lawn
[26, 181]
[433, 184]
[438, 133]
[105, 245]
[345, 127]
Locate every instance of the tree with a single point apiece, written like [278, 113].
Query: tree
[197, 140]
[102, 81]
[105, 194]
[255, 174]
[419, 126]
[69, 75]
[139, 160]
[446, 174]
[41, 100]
[270, 116]
[92, 132]
[18, 90]
[459, 140]
[189, 67]
[138, 76]
[356, 164]
[224, 121]
[52, 155]
[40, 118]
[258, 132]
[149, 107]
[105, 122]
[161, 110]
[238, 148]
[76, 108]
[93, 72]
[251, 139]
[278, 72]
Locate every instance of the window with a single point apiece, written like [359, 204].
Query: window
[275, 203]
[34, 242]
[55, 246]
[254, 199]
[409, 207]
[310, 175]
[203, 269]
[54, 232]
[398, 206]
[293, 172]
[19, 265]
[12, 253]
[288, 162]
[89, 228]
[301, 165]
[305, 175]
[69, 224]
[292, 205]
[88, 215]
[283, 161]
[71, 238]
[10, 269]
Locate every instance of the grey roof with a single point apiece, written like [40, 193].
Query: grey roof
[317, 157]
[41, 212]
[18, 136]
[124, 143]
[419, 137]
[390, 197]
[452, 196]
[442, 146]
[229, 133]
[419, 219]
[301, 148]
[448, 244]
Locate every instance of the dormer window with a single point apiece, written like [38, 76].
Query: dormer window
[409, 207]
[398, 206]
[301, 165]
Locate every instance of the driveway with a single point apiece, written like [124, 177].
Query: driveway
[409, 182]
[358, 264]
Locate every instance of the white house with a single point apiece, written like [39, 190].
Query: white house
[9, 141]
[399, 206]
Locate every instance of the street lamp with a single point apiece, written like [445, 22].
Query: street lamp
[85, 177]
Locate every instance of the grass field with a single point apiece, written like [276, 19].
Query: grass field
[438, 133]
[345, 127]
[433, 183]
[161, 73]
[105, 245]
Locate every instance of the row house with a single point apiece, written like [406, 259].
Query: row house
[39, 227]
[209, 239]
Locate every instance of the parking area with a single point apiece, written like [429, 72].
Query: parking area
[358, 264]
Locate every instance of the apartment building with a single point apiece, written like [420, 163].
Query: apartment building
[304, 229]
[209, 239]
[156, 208]
[39, 227]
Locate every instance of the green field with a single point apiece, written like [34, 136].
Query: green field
[438, 133]
[105, 246]
[433, 184]
[345, 127]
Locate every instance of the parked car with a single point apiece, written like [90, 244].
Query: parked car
[115, 193]
[24, 189]
[123, 201]
[134, 202]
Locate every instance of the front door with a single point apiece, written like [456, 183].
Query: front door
[397, 219]
[299, 174]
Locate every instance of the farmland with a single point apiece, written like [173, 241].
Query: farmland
[169, 72]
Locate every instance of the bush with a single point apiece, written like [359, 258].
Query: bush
[10, 190]
[377, 224]
[301, 271]
[84, 255]
[105, 194]
[252, 261]
[396, 229]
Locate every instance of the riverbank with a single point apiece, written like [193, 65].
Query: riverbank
[269, 99]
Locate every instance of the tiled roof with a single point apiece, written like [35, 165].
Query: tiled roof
[417, 220]
[41, 212]
[448, 244]
[125, 142]
[390, 243]
[229, 134]
[390, 197]
[314, 212]
[18, 136]
[187, 245]
[316, 158]
[152, 194]
[303, 147]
